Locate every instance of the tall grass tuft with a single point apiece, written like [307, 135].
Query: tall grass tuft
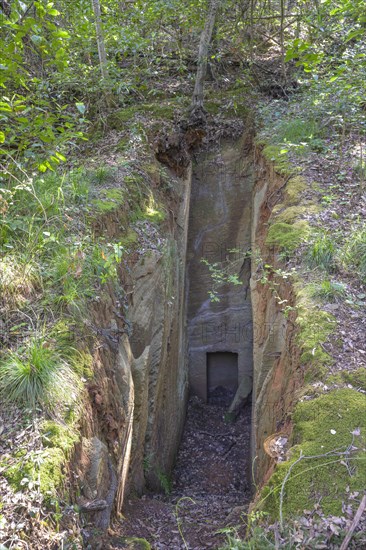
[37, 375]
[321, 253]
[353, 254]
[330, 291]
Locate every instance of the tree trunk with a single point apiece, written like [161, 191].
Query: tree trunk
[197, 101]
[100, 39]
[282, 39]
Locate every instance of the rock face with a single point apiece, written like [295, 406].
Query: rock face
[100, 483]
[276, 374]
[158, 346]
[133, 419]
[220, 233]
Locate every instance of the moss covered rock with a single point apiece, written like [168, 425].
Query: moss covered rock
[329, 470]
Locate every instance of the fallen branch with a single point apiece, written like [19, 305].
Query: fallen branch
[355, 522]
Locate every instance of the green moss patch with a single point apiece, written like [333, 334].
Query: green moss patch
[356, 378]
[130, 238]
[323, 425]
[43, 467]
[120, 119]
[315, 327]
[134, 543]
[293, 213]
[294, 187]
[111, 200]
[56, 435]
[287, 236]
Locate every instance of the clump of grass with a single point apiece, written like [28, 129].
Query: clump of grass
[37, 375]
[78, 186]
[353, 254]
[298, 131]
[321, 253]
[102, 175]
[330, 291]
[18, 279]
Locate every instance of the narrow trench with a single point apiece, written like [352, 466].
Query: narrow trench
[210, 486]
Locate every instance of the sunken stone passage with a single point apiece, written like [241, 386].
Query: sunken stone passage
[220, 333]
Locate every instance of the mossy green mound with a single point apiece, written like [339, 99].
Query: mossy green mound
[56, 435]
[287, 236]
[43, 468]
[111, 199]
[322, 426]
[315, 327]
[120, 119]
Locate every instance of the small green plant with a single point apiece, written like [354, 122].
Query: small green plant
[101, 175]
[329, 291]
[353, 254]
[272, 276]
[321, 253]
[222, 273]
[301, 134]
[78, 186]
[146, 463]
[165, 482]
[37, 375]
[105, 260]
[256, 538]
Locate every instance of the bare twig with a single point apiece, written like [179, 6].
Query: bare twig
[355, 522]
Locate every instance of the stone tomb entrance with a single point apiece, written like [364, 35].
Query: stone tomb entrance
[222, 377]
[220, 330]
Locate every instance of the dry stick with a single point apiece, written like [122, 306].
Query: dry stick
[354, 524]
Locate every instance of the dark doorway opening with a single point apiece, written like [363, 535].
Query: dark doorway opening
[222, 377]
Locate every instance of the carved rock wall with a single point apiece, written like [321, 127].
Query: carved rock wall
[219, 232]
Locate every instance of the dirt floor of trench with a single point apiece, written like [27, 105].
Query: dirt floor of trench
[209, 483]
